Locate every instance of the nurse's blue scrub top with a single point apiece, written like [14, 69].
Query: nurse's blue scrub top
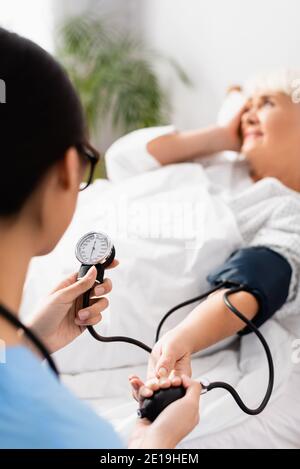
[37, 411]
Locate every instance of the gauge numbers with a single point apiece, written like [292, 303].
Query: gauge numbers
[93, 247]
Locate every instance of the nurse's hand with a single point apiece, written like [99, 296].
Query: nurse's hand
[61, 319]
[173, 424]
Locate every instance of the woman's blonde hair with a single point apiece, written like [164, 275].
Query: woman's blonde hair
[282, 80]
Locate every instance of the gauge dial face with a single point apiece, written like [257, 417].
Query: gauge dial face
[93, 248]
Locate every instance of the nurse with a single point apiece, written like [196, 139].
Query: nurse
[44, 156]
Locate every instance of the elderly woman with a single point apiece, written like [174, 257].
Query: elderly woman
[262, 189]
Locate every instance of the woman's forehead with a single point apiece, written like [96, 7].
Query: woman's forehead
[264, 95]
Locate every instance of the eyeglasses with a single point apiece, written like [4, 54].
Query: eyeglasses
[92, 157]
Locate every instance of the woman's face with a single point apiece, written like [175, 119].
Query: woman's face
[270, 129]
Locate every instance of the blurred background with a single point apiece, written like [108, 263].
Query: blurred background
[140, 63]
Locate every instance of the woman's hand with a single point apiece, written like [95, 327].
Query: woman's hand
[170, 357]
[168, 429]
[61, 319]
[230, 133]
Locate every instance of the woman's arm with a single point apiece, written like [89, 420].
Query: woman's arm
[207, 324]
[177, 147]
[147, 149]
[212, 321]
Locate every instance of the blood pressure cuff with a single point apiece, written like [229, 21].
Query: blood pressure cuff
[263, 272]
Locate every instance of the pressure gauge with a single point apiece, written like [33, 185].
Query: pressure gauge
[94, 248]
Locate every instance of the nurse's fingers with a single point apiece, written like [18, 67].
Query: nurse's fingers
[114, 264]
[102, 288]
[175, 377]
[145, 392]
[72, 278]
[136, 383]
[91, 315]
[157, 383]
[152, 384]
[73, 291]
[176, 381]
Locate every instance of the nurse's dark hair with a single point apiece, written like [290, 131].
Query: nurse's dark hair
[40, 119]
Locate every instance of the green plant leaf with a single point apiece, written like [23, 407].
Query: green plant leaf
[114, 74]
